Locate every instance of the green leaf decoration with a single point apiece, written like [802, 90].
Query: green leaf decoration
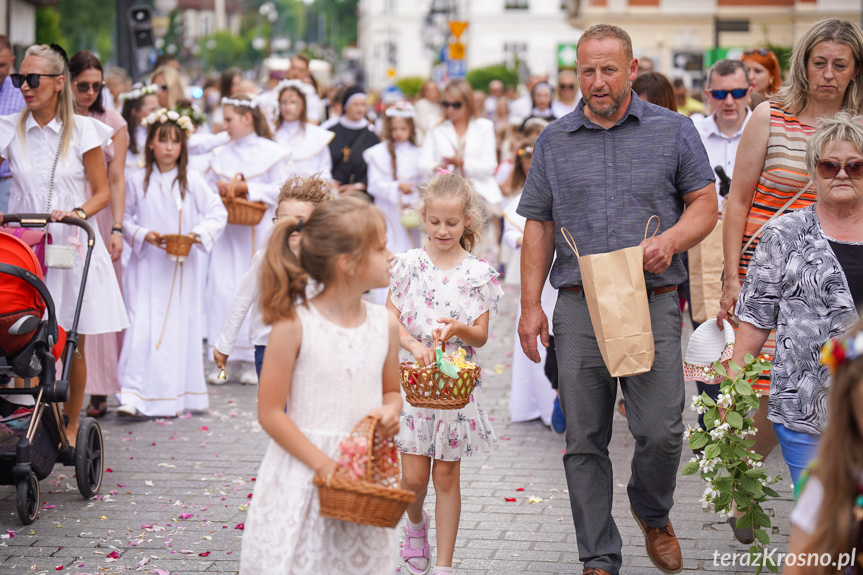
[448, 368]
[744, 520]
[707, 400]
[711, 451]
[742, 387]
[710, 416]
[762, 536]
[734, 419]
[690, 468]
[698, 440]
[761, 518]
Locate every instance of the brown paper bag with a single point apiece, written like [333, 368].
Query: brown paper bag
[616, 295]
[705, 276]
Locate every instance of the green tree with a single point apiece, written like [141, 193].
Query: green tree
[480, 78]
[48, 28]
[87, 25]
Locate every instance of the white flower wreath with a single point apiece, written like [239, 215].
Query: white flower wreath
[139, 92]
[164, 115]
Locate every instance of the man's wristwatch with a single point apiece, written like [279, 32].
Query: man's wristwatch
[79, 211]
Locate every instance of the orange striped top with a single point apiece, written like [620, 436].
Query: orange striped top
[783, 176]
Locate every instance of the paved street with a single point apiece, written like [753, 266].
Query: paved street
[175, 494]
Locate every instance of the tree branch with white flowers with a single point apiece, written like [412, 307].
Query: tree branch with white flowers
[734, 473]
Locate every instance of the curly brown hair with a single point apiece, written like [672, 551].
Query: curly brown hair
[310, 190]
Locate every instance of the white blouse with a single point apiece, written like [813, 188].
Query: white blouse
[478, 148]
[31, 160]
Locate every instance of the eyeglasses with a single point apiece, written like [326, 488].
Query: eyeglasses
[566, 86]
[760, 51]
[737, 93]
[31, 79]
[84, 87]
[453, 105]
[828, 169]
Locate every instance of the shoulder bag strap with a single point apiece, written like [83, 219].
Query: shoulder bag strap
[778, 213]
[54, 171]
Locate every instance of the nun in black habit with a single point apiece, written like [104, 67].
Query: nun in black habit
[352, 138]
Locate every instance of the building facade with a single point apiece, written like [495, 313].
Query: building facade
[399, 38]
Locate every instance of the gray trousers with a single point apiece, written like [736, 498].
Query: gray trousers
[654, 406]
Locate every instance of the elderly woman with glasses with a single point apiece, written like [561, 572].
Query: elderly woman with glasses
[805, 282]
[770, 172]
[45, 133]
[104, 350]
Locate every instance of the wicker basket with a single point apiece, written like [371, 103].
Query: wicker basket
[429, 387]
[241, 211]
[178, 245]
[376, 498]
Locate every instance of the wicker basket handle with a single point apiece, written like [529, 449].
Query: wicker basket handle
[437, 341]
[372, 422]
[232, 187]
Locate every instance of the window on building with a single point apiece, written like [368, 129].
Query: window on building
[516, 4]
[514, 52]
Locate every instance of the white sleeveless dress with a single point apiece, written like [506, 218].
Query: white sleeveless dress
[336, 382]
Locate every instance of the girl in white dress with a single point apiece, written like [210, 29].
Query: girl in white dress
[442, 290]
[393, 174]
[161, 368]
[298, 199]
[31, 140]
[138, 103]
[531, 394]
[330, 361]
[308, 143]
[264, 166]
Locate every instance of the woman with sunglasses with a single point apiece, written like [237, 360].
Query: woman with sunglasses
[171, 90]
[765, 75]
[104, 350]
[770, 172]
[541, 97]
[467, 144]
[46, 139]
[567, 93]
[805, 281]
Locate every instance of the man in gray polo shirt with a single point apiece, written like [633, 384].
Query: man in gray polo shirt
[601, 172]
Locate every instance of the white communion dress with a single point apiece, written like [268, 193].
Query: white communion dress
[161, 367]
[531, 394]
[309, 146]
[384, 188]
[102, 310]
[264, 165]
[336, 382]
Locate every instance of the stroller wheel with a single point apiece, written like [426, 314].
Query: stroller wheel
[28, 499]
[88, 457]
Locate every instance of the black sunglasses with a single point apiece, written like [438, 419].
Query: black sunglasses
[828, 169]
[453, 105]
[31, 79]
[736, 93]
[760, 51]
[84, 87]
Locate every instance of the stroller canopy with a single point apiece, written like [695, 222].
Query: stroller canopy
[17, 296]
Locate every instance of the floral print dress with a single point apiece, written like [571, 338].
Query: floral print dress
[423, 293]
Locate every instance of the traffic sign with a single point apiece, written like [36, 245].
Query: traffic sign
[457, 68]
[457, 28]
[566, 55]
[456, 51]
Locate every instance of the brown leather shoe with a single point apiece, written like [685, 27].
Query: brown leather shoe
[594, 571]
[661, 545]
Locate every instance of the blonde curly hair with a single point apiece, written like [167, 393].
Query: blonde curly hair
[448, 185]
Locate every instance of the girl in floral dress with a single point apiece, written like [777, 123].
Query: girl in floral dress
[442, 290]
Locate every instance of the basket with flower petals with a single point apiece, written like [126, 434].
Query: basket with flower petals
[241, 211]
[365, 486]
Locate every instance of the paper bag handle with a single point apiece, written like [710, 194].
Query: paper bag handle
[569, 240]
[656, 231]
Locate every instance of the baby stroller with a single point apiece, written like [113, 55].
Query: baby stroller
[32, 425]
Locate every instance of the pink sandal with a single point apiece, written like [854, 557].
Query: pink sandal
[409, 553]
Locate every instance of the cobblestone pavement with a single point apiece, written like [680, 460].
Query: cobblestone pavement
[175, 492]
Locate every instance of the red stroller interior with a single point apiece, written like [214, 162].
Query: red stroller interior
[32, 425]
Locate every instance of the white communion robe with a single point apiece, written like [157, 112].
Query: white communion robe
[310, 152]
[384, 188]
[264, 164]
[161, 368]
[531, 394]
